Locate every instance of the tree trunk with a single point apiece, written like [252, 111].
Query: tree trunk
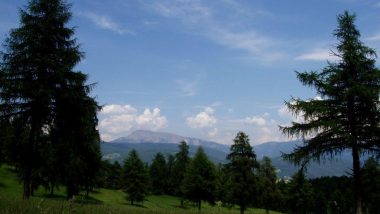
[52, 189]
[131, 201]
[28, 163]
[267, 210]
[182, 203]
[242, 208]
[70, 191]
[199, 206]
[32, 188]
[357, 180]
[87, 190]
[27, 175]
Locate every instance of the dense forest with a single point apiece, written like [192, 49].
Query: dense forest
[48, 130]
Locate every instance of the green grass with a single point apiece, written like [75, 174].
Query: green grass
[101, 201]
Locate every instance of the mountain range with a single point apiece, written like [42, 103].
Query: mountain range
[148, 143]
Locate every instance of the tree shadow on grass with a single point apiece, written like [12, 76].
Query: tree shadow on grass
[58, 197]
[80, 199]
[2, 185]
[135, 205]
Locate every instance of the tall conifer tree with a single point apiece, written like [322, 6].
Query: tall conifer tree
[242, 161]
[41, 95]
[347, 116]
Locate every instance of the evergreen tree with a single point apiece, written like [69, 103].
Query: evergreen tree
[299, 194]
[223, 183]
[242, 161]
[171, 188]
[74, 131]
[39, 55]
[347, 117]
[182, 161]
[135, 178]
[371, 184]
[159, 174]
[199, 181]
[268, 191]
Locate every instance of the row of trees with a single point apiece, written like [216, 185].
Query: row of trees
[197, 179]
[47, 117]
[242, 181]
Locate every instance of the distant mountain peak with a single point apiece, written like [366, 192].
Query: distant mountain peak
[145, 136]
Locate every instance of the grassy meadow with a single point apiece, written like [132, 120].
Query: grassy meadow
[100, 201]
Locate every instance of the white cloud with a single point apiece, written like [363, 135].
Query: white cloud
[318, 55]
[118, 120]
[106, 23]
[375, 37]
[284, 112]
[203, 20]
[213, 132]
[258, 121]
[117, 109]
[203, 119]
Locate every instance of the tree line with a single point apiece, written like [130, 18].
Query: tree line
[243, 181]
[48, 121]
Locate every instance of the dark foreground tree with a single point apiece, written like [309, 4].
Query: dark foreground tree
[39, 56]
[159, 174]
[242, 161]
[135, 178]
[199, 182]
[347, 117]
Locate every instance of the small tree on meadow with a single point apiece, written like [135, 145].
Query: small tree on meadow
[158, 174]
[182, 161]
[199, 182]
[242, 161]
[135, 178]
[268, 191]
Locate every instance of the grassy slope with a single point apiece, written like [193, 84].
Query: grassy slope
[103, 201]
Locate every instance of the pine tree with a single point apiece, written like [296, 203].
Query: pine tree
[299, 194]
[74, 131]
[267, 177]
[242, 162]
[135, 178]
[347, 117]
[199, 181]
[371, 184]
[182, 161]
[159, 174]
[171, 188]
[38, 55]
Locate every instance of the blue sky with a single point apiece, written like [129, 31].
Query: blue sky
[205, 69]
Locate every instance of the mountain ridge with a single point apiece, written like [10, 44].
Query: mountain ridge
[167, 144]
